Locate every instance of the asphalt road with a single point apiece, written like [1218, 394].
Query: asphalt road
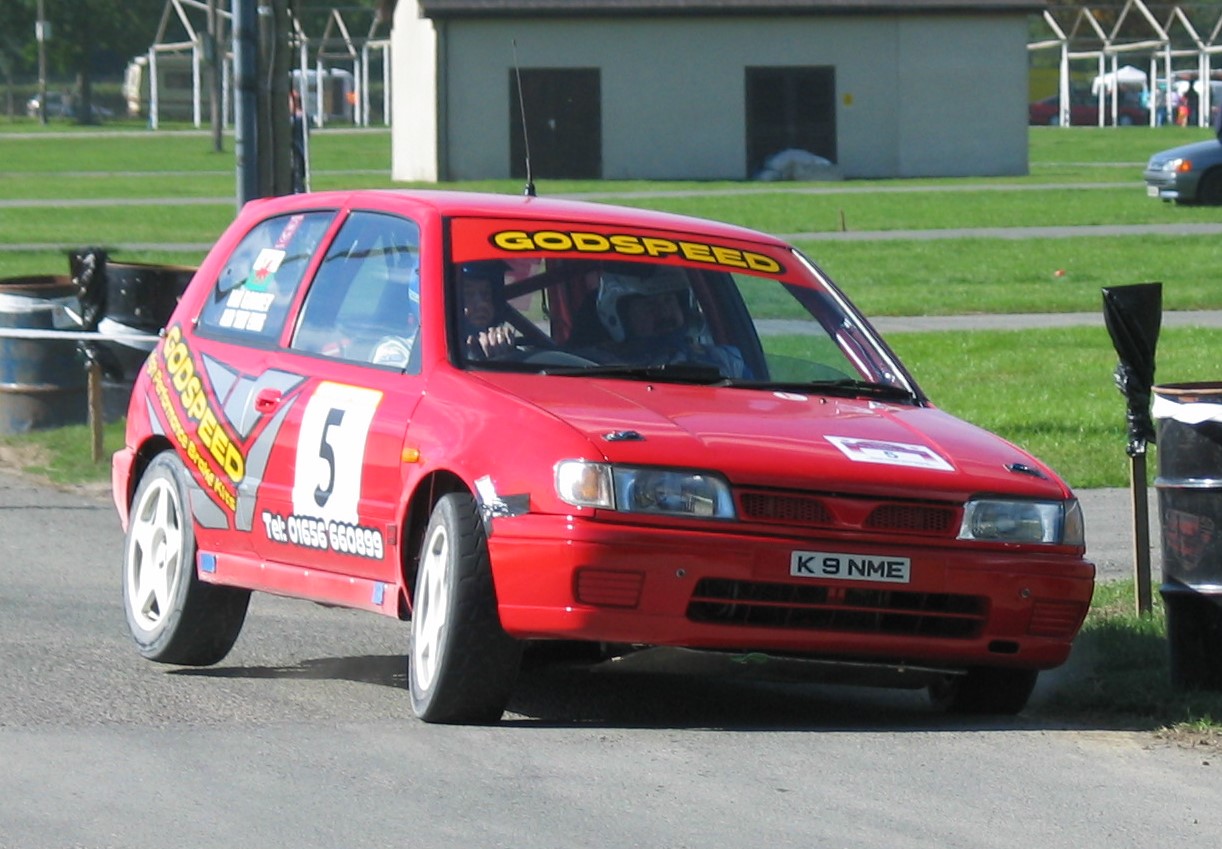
[303, 737]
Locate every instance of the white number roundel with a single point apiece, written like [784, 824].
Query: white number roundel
[331, 451]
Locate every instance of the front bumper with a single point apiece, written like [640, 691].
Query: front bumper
[1167, 185]
[570, 578]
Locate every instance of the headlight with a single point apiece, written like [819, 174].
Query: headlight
[643, 489]
[1046, 522]
[1178, 164]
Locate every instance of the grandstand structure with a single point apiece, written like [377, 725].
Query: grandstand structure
[1173, 44]
[342, 71]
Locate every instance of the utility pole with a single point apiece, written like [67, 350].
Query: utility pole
[262, 139]
[246, 100]
[275, 142]
[42, 31]
[216, 57]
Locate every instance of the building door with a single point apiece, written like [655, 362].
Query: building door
[790, 108]
[563, 109]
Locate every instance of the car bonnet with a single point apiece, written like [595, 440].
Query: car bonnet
[787, 439]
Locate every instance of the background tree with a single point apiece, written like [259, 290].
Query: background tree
[93, 39]
[88, 38]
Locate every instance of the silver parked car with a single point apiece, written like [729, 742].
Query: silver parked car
[1188, 174]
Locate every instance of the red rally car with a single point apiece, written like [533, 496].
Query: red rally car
[513, 419]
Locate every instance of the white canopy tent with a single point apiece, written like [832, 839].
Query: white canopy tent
[1127, 76]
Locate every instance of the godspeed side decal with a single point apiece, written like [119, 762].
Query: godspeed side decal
[204, 437]
[327, 477]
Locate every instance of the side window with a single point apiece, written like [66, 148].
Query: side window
[364, 302]
[256, 287]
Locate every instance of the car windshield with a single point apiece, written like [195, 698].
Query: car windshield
[754, 320]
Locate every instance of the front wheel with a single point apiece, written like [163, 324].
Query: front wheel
[173, 616]
[985, 691]
[1209, 191]
[463, 666]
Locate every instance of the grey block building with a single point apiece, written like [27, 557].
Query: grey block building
[708, 89]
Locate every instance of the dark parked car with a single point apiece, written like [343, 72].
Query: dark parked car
[1084, 111]
[1188, 174]
[60, 105]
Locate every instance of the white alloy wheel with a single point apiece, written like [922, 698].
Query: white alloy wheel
[462, 665]
[154, 554]
[432, 605]
[173, 616]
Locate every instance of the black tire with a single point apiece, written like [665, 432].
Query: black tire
[462, 666]
[1209, 190]
[1194, 641]
[173, 616]
[986, 691]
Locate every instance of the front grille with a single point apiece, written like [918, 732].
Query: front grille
[913, 519]
[808, 510]
[784, 509]
[846, 609]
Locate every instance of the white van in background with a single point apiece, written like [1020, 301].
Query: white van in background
[176, 91]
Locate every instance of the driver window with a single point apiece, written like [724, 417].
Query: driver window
[364, 303]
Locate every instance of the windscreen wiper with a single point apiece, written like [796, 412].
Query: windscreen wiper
[841, 388]
[671, 372]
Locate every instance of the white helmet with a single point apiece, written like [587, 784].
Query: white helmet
[614, 286]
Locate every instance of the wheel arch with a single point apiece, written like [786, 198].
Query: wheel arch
[416, 517]
[149, 449]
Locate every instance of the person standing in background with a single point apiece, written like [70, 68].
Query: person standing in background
[298, 132]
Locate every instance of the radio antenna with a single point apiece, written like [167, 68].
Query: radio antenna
[517, 71]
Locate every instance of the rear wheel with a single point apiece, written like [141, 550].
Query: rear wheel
[985, 691]
[173, 616]
[462, 666]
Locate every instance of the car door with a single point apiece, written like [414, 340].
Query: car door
[207, 371]
[338, 398]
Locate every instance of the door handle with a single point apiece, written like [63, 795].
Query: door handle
[267, 400]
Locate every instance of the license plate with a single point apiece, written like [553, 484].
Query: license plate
[850, 567]
[1152, 191]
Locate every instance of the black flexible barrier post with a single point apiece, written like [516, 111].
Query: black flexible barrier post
[1133, 315]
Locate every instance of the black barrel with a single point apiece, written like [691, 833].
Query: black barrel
[121, 352]
[122, 302]
[1188, 419]
[42, 380]
[143, 296]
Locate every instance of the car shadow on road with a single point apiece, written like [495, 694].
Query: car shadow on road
[671, 688]
[666, 688]
[383, 670]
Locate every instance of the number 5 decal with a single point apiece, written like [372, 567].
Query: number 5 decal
[327, 452]
[331, 451]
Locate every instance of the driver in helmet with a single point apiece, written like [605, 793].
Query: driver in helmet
[486, 334]
[652, 319]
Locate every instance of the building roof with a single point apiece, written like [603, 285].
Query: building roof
[578, 8]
